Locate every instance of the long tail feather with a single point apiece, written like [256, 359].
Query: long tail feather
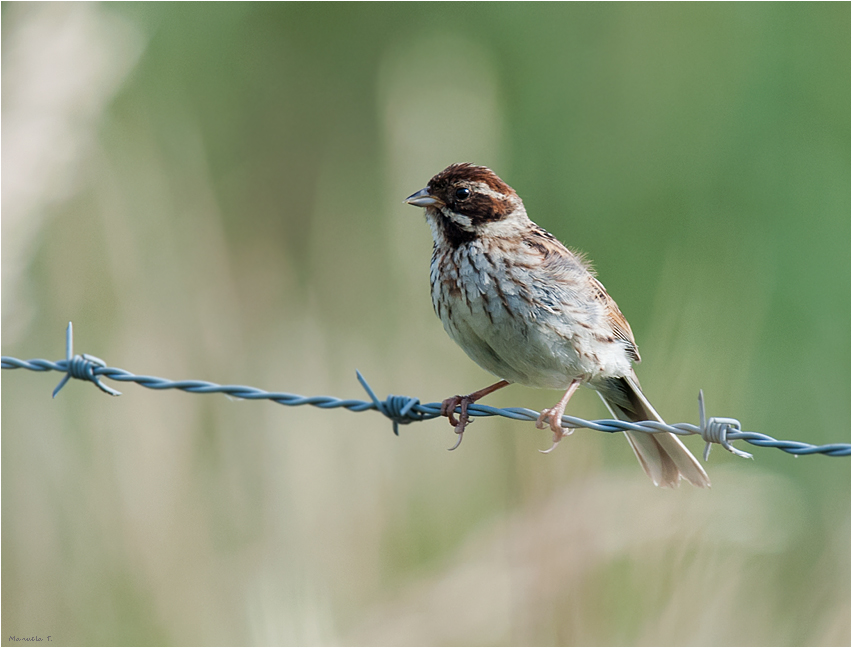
[663, 457]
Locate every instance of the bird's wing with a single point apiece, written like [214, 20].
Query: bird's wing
[615, 318]
[550, 250]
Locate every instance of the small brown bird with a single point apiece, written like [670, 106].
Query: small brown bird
[530, 311]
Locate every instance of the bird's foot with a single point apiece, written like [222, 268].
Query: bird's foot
[448, 409]
[555, 415]
[559, 432]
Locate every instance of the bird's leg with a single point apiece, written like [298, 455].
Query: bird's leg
[555, 415]
[448, 408]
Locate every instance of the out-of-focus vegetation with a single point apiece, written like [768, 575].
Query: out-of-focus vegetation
[214, 191]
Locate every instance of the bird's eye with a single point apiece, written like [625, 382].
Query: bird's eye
[462, 193]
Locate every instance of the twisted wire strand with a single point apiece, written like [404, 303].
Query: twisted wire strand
[406, 409]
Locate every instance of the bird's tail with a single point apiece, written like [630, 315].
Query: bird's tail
[663, 457]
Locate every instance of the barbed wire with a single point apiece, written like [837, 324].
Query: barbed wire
[402, 410]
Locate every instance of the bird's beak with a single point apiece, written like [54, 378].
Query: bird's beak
[422, 199]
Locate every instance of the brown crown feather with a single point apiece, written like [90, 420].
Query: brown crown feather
[471, 173]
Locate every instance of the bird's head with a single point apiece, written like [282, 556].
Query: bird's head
[464, 202]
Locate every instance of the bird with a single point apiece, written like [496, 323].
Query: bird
[530, 311]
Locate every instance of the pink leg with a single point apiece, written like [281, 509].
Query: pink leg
[449, 406]
[555, 415]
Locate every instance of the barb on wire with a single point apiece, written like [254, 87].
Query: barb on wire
[406, 409]
[81, 366]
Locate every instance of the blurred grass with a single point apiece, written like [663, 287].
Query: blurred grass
[214, 191]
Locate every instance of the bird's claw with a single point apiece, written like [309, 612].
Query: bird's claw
[554, 416]
[557, 437]
[457, 443]
[448, 408]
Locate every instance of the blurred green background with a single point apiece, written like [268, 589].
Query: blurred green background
[214, 191]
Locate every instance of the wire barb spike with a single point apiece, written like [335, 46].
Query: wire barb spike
[81, 367]
[399, 409]
[715, 430]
